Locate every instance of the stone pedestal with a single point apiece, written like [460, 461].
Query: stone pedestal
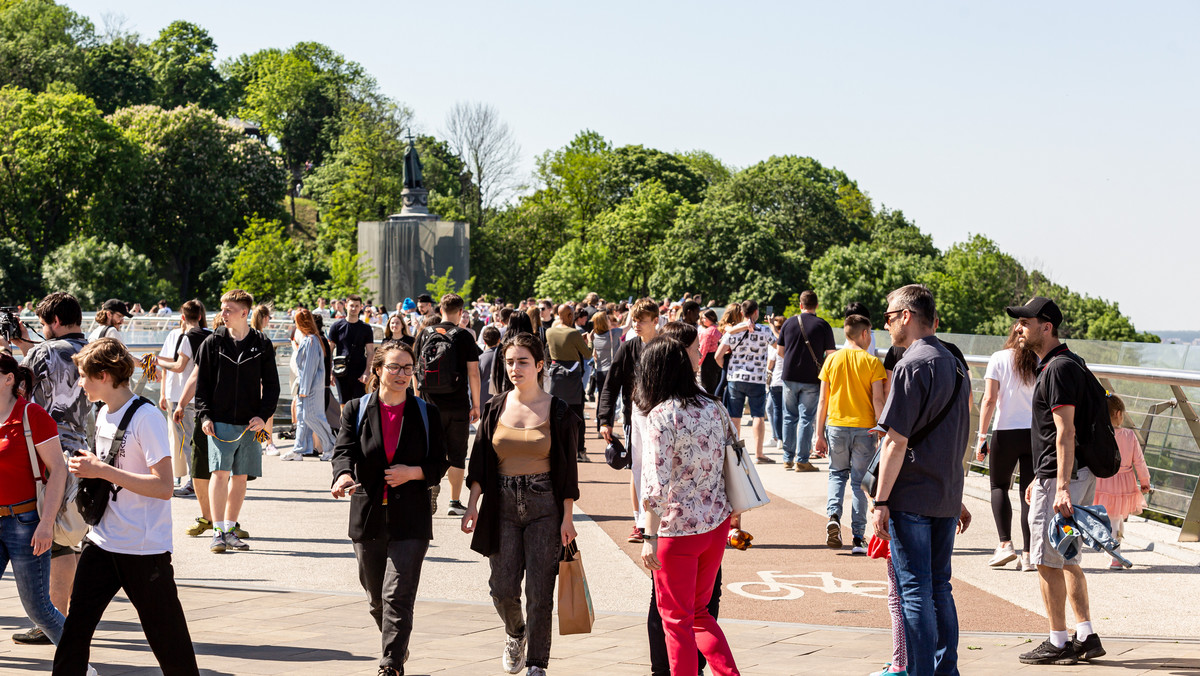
[409, 249]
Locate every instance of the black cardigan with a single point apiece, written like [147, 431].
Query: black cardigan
[484, 467]
[362, 456]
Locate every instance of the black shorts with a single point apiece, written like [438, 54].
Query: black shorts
[456, 425]
[57, 550]
[349, 389]
[200, 454]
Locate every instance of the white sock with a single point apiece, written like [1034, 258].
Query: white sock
[226, 526]
[1058, 638]
[1083, 630]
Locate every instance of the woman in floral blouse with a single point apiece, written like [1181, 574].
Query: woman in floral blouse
[683, 490]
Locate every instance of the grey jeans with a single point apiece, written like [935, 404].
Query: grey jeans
[530, 544]
[390, 571]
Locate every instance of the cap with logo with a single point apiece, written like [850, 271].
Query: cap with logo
[1038, 307]
[114, 305]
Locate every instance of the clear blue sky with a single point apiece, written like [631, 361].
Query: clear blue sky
[1069, 132]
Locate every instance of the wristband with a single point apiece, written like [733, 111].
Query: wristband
[881, 503]
[981, 435]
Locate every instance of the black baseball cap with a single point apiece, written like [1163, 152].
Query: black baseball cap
[1038, 307]
[114, 305]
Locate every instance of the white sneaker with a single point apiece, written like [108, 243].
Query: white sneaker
[1003, 555]
[1025, 565]
[272, 449]
[536, 671]
[513, 659]
[327, 456]
[92, 671]
[291, 455]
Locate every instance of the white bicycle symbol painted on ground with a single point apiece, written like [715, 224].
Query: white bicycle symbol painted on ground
[775, 586]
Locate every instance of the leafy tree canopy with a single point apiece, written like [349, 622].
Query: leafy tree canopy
[41, 42]
[93, 270]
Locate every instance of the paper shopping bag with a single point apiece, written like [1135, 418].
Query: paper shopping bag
[575, 614]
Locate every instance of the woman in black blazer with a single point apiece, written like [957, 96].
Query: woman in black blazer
[389, 451]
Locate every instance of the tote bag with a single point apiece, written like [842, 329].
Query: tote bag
[69, 526]
[743, 487]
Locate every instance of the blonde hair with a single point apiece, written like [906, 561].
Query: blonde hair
[600, 323]
[260, 317]
[732, 316]
[240, 297]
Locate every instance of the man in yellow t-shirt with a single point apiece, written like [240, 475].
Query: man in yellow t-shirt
[851, 398]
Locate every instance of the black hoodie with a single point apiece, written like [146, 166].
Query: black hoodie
[236, 381]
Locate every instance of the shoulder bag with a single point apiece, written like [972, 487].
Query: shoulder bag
[743, 487]
[69, 526]
[812, 353]
[870, 482]
[95, 493]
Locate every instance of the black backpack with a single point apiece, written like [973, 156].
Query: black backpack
[437, 363]
[1095, 440]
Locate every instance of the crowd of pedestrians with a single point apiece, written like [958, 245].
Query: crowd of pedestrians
[679, 376]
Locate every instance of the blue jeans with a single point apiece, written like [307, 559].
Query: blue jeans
[775, 410]
[921, 548]
[799, 406]
[31, 573]
[850, 451]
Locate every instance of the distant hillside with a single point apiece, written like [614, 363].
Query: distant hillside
[1178, 336]
[306, 218]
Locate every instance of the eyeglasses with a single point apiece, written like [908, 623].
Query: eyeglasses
[396, 368]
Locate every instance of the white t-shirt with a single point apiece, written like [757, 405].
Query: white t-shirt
[1014, 402]
[164, 311]
[132, 523]
[103, 331]
[173, 382]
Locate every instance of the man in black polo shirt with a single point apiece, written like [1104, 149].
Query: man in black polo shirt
[1059, 398]
[460, 407]
[354, 342]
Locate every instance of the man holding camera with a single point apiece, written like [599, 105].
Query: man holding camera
[56, 389]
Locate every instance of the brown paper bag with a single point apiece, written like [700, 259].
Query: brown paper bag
[575, 614]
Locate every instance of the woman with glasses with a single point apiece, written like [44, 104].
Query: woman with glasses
[311, 423]
[390, 451]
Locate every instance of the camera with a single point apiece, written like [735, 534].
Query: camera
[10, 323]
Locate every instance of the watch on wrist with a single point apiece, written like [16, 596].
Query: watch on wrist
[881, 503]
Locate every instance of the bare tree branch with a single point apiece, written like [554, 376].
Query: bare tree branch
[487, 146]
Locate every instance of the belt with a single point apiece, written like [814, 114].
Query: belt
[19, 508]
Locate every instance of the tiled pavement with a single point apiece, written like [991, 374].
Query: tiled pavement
[280, 632]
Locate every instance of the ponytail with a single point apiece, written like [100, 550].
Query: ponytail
[23, 377]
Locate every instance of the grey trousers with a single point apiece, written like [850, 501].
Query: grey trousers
[390, 571]
[530, 546]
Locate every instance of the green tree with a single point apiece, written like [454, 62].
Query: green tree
[348, 274]
[201, 179]
[516, 245]
[363, 179]
[20, 274]
[440, 286]
[577, 175]
[93, 270]
[41, 42]
[801, 201]
[893, 232]
[577, 269]
[864, 272]
[182, 63]
[708, 166]
[629, 233]
[62, 164]
[267, 263]
[633, 166]
[116, 74]
[973, 282]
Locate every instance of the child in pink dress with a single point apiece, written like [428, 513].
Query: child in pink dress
[1124, 493]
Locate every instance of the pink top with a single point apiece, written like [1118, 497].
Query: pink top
[683, 462]
[393, 418]
[1120, 494]
[710, 338]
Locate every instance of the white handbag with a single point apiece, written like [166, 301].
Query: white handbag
[69, 526]
[743, 489]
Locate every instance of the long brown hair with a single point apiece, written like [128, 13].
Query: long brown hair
[1025, 360]
[600, 323]
[308, 326]
[380, 359]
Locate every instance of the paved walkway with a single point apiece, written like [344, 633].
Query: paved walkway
[293, 605]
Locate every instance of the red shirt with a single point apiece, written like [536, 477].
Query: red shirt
[16, 476]
[393, 417]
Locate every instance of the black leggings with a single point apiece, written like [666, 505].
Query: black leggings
[1010, 448]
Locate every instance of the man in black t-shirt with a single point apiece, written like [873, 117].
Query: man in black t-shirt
[1059, 399]
[354, 342]
[459, 408]
[804, 341]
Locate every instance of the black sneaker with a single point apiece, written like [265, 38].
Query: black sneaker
[456, 508]
[1088, 648]
[1046, 653]
[34, 636]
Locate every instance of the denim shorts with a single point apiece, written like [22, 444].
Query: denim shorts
[738, 393]
[232, 451]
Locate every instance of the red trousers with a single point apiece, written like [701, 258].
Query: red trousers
[684, 585]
